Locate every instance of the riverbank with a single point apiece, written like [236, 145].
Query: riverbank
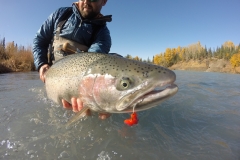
[213, 65]
[206, 65]
[16, 65]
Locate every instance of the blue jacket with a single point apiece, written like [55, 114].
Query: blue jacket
[74, 29]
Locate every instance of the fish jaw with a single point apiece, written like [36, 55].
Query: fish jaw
[149, 98]
[152, 98]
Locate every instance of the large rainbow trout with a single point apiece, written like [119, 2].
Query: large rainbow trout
[108, 83]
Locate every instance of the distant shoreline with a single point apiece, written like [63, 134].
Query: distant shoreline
[206, 65]
[213, 65]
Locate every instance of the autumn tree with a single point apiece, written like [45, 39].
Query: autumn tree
[235, 60]
[15, 58]
[11, 48]
[129, 56]
[228, 44]
[159, 59]
[181, 54]
[136, 58]
[226, 50]
[168, 56]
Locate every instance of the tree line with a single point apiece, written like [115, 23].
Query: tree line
[15, 58]
[196, 51]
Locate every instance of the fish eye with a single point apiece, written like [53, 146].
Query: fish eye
[125, 83]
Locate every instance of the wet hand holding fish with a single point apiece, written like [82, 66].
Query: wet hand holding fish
[107, 83]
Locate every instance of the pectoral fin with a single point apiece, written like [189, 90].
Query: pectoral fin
[77, 116]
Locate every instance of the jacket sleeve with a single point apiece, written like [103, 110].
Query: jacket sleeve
[102, 42]
[42, 40]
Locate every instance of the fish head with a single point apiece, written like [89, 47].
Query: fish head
[117, 85]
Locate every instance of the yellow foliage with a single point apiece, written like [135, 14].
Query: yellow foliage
[15, 58]
[136, 58]
[181, 53]
[169, 56]
[235, 60]
[228, 44]
[178, 50]
[158, 59]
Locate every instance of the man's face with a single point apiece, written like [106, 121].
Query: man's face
[90, 9]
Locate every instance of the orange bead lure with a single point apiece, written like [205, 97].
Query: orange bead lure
[133, 120]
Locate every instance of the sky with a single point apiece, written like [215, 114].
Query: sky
[141, 28]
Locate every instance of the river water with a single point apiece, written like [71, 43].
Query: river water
[202, 121]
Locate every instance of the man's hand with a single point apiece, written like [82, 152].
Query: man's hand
[77, 105]
[42, 71]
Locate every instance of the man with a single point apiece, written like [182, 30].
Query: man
[84, 27]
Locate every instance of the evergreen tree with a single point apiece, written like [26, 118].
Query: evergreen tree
[210, 53]
[148, 60]
[3, 43]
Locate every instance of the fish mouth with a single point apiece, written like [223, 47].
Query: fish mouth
[152, 98]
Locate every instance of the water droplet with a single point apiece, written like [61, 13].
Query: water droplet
[7, 154]
[103, 156]
[30, 152]
[15, 150]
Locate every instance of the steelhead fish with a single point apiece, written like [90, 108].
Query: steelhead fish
[108, 83]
